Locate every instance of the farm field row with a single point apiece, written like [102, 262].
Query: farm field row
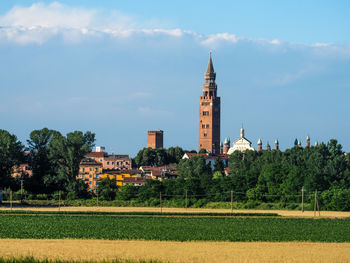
[287, 213]
[275, 229]
[165, 251]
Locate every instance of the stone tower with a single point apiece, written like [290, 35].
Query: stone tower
[308, 141]
[209, 113]
[277, 145]
[227, 145]
[259, 145]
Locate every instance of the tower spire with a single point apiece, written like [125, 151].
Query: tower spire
[210, 68]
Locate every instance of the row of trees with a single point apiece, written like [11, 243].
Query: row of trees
[260, 177]
[53, 157]
[264, 176]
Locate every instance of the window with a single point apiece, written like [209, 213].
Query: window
[205, 113]
[205, 134]
[83, 169]
[207, 126]
[90, 182]
[203, 126]
[112, 163]
[100, 159]
[90, 169]
[96, 169]
[96, 175]
[107, 163]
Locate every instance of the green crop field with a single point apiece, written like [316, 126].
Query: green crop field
[54, 226]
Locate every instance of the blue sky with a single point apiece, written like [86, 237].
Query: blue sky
[120, 68]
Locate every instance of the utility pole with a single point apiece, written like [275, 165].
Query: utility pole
[186, 197]
[11, 199]
[231, 201]
[302, 199]
[160, 201]
[315, 203]
[22, 188]
[59, 200]
[96, 193]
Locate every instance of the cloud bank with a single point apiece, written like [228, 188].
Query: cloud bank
[39, 23]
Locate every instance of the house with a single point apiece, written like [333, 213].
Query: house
[111, 162]
[121, 176]
[22, 169]
[116, 162]
[89, 172]
[160, 172]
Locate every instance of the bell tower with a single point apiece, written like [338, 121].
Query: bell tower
[209, 113]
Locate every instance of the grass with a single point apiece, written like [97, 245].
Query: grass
[174, 228]
[69, 250]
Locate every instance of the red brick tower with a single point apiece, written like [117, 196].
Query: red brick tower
[155, 139]
[209, 113]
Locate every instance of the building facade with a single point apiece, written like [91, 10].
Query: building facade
[242, 144]
[117, 162]
[209, 113]
[155, 139]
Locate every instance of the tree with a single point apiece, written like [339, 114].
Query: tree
[127, 192]
[107, 189]
[202, 150]
[66, 154]
[219, 165]
[39, 161]
[11, 154]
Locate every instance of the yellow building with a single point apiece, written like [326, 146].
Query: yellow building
[122, 176]
[90, 171]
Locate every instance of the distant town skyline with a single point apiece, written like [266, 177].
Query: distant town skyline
[120, 69]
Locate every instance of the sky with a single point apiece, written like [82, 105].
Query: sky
[120, 68]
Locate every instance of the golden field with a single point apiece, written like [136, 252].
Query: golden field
[248, 252]
[287, 213]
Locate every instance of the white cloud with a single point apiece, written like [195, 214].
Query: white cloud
[39, 23]
[275, 42]
[48, 16]
[216, 39]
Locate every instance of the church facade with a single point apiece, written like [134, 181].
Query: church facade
[209, 113]
[242, 144]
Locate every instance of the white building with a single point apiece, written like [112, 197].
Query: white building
[241, 144]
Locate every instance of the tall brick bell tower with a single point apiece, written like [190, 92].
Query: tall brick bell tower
[209, 113]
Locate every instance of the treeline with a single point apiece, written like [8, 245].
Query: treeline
[255, 178]
[158, 157]
[274, 177]
[53, 157]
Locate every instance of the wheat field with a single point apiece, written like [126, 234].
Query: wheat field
[247, 252]
[287, 213]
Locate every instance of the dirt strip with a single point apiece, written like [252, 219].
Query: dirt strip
[288, 213]
[248, 252]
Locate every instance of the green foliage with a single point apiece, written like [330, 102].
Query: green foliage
[107, 189]
[174, 228]
[127, 192]
[39, 160]
[11, 153]
[158, 157]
